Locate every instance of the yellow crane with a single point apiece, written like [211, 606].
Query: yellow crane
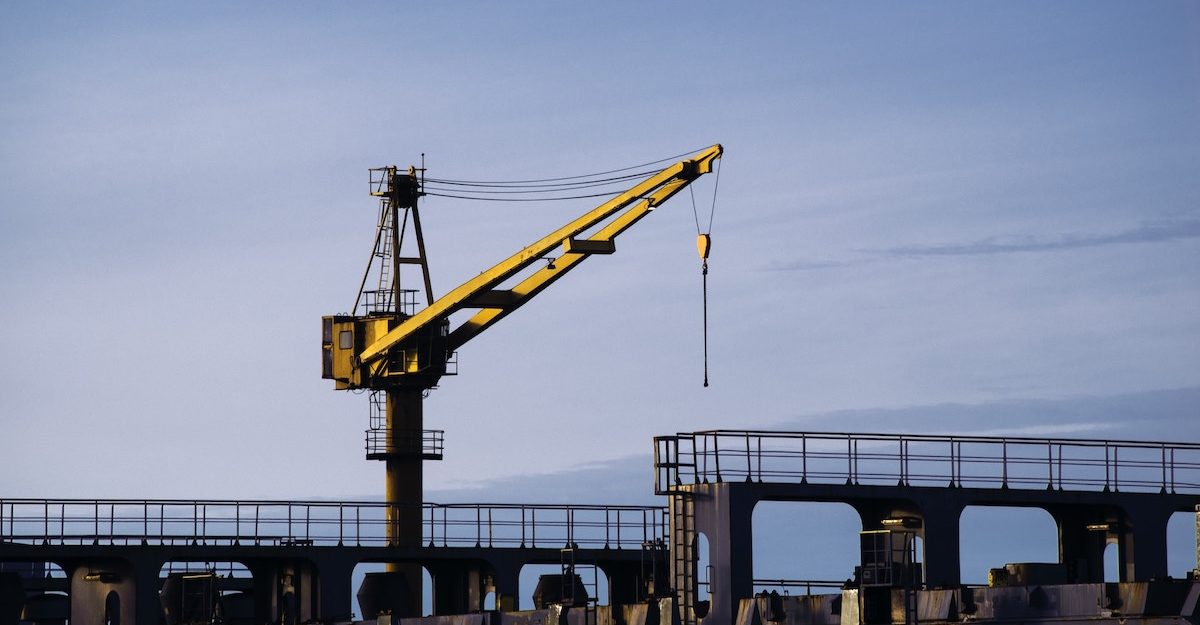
[405, 355]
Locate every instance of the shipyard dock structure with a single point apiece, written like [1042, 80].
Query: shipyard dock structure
[121, 561]
[688, 562]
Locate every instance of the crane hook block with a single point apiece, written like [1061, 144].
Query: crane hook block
[703, 245]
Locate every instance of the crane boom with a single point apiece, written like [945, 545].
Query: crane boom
[479, 292]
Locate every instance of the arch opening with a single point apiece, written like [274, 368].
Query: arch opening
[803, 547]
[991, 537]
[1183, 544]
[373, 592]
[195, 591]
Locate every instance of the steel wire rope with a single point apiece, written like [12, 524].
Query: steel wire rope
[550, 189]
[601, 173]
[520, 199]
[578, 183]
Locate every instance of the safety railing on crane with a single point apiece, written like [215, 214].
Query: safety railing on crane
[427, 444]
[924, 460]
[304, 523]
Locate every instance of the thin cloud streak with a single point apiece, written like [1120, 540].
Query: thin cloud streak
[1147, 232]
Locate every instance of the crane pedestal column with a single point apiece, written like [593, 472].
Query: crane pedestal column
[404, 485]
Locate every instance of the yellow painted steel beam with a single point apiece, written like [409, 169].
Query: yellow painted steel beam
[643, 197]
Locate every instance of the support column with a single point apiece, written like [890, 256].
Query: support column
[334, 588]
[506, 583]
[1079, 548]
[147, 606]
[115, 591]
[941, 514]
[724, 514]
[404, 484]
[625, 585]
[458, 587]
[1142, 545]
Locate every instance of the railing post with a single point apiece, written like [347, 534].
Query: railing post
[1106, 467]
[1004, 463]
[1116, 468]
[46, 521]
[1060, 466]
[849, 459]
[803, 459]
[717, 455]
[570, 526]
[1049, 465]
[1172, 469]
[1163, 460]
[749, 466]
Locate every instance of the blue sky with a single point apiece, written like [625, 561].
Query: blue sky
[978, 207]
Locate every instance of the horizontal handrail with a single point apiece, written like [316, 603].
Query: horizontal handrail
[925, 460]
[300, 523]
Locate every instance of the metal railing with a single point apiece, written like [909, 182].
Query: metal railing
[924, 460]
[300, 523]
[425, 443]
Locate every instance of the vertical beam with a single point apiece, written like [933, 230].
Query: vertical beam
[724, 514]
[334, 591]
[1079, 548]
[147, 607]
[404, 484]
[941, 538]
[457, 588]
[506, 583]
[1142, 546]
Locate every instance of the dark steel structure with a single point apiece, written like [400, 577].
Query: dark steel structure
[300, 554]
[1097, 492]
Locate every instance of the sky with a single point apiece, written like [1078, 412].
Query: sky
[933, 216]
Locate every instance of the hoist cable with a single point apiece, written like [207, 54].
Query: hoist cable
[616, 185]
[716, 183]
[601, 173]
[515, 185]
[521, 199]
[704, 279]
[694, 213]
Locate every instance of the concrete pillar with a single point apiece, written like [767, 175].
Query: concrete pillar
[114, 590]
[1142, 545]
[148, 608]
[283, 591]
[724, 514]
[625, 585]
[506, 583]
[334, 588]
[941, 514]
[458, 587]
[404, 483]
[1079, 548]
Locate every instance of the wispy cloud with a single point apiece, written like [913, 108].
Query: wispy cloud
[1146, 232]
